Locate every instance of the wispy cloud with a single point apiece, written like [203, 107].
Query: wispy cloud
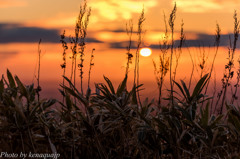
[198, 5]
[112, 9]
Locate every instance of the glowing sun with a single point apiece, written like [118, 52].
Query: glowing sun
[145, 52]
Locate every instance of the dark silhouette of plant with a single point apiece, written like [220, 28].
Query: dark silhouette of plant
[78, 42]
[112, 122]
[139, 43]
[190, 102]
[217, 43]
[178, 52]
[91, 64]
[38, 75]
[234, 95]
[171, 25]
[24, 118]
[161, 69]
[129, 30]
[65, 48]
[228, 74]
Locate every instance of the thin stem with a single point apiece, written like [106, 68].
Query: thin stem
[171, 24]
[91, 64]
[129, 30]
[39, 66]
[136, 70]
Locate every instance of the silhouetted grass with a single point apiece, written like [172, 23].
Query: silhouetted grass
[112, 122]
[161, 69]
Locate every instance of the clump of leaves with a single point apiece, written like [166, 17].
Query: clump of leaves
[23, 119]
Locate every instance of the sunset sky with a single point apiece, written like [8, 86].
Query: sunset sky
[29, 20]
[24, 22]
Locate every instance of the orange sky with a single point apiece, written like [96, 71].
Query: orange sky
[23, 22]
[199, 16]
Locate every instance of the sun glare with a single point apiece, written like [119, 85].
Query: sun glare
[145, 52]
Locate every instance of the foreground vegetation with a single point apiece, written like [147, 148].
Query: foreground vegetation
[114, 122]
[110, 124]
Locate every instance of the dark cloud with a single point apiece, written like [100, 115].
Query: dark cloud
[122, 31]
[207, 40]
[119, 31]
[16, 33]
[123, 45]
[202, 40]
[93, 40]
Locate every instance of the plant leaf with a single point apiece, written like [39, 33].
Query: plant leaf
[122, 86]
[199, 86]
[10, 79]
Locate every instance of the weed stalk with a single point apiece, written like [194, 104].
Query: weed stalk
[91, 64]
[139, 43]
[39, 66]
[171, 24]
[228, 75]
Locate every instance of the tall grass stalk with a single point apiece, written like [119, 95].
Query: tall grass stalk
[39, 67]
[64, 64]
[82, 24]
[74, 41]
[178, 52]
[193, 68]
[171, 24]
[160, 75]
[78, 42]
[129, 30]
[91, 64]
[234, 95]
[228, 74]
[161, 70]
[139, 43]
[202, 59]
[217, 43]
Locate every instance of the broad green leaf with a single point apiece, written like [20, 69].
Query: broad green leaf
[199, 86]
[1, 86]
[180, 88]
[71, 85]
[10, 79]
[48, 103]
[33, 111]
[78, 96]
[109, 85]
[205, 116]
[186, 90]
[122, 86]
[104, 90]
[68, 102]
[134, 96]
[88, 94]
[21, 87]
